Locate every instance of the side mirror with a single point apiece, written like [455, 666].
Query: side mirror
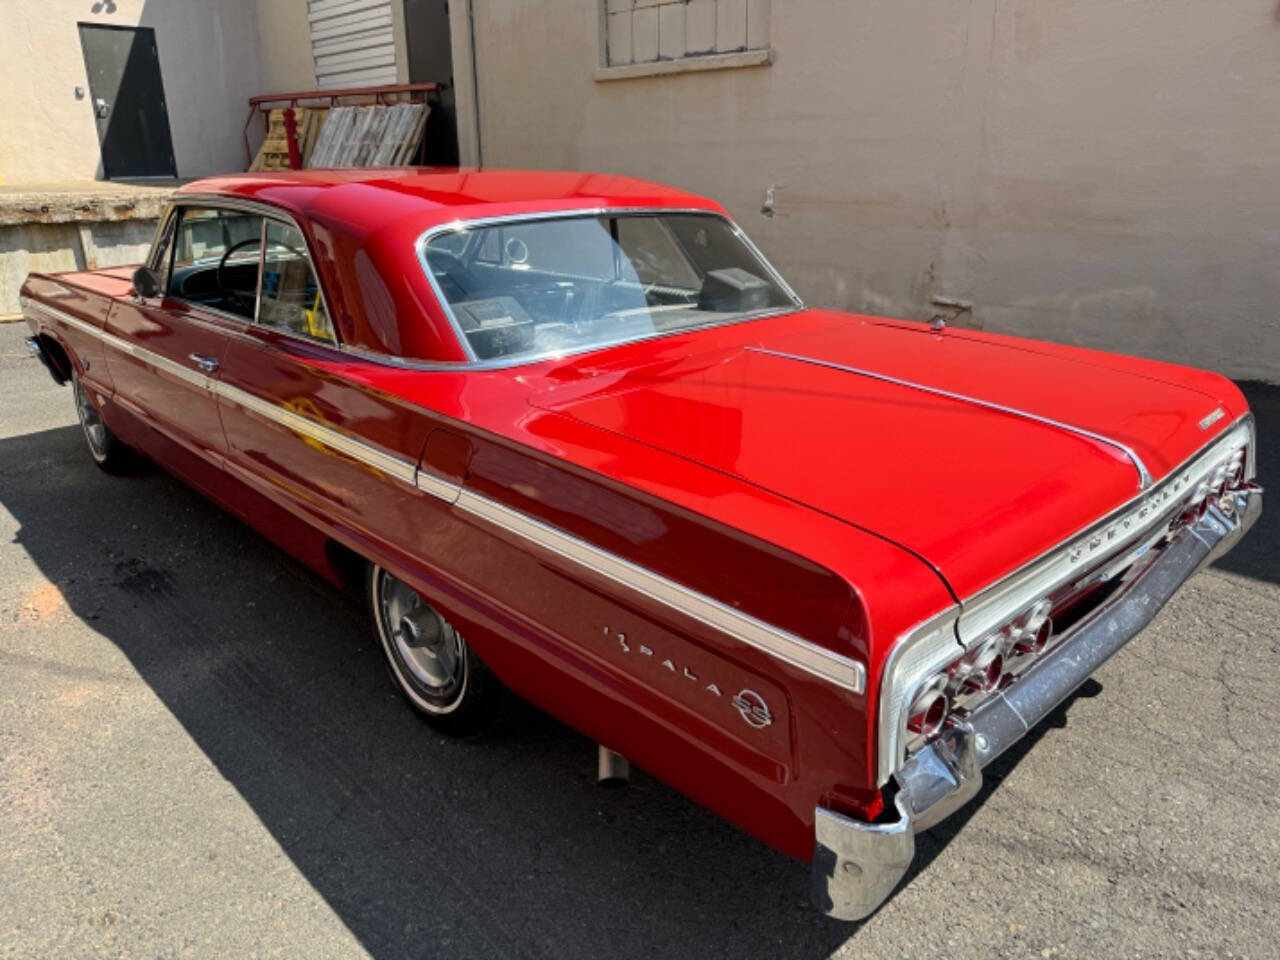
[145, 282]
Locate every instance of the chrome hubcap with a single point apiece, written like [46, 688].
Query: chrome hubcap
[425, 642]
[95, 431]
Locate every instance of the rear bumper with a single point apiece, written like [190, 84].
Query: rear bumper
[856, 865]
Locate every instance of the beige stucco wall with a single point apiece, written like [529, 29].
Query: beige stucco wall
[213, 55]
[1087, 171]
[285, 47]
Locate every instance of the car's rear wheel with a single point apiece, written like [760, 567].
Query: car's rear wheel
[108, 451]
[429, 661]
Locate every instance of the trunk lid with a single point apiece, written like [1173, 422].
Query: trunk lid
[974, 491]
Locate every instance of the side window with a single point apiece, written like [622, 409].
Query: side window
[291, 299]
[215, 259]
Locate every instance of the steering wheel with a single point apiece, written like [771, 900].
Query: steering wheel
[233, 298]
[448, 265]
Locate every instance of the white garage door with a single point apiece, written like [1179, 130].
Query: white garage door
[352, 42]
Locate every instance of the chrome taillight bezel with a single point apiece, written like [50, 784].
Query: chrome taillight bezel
[1124, 535]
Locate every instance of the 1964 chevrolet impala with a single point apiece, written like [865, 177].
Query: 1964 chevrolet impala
[574, 437]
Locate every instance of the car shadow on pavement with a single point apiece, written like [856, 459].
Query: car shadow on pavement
[422, 845]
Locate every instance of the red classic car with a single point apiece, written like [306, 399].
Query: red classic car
[573, 437]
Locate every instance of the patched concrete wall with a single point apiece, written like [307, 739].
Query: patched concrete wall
[1086, 171]
[76, 227]
[56, 247]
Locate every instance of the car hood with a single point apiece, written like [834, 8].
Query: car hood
[847, 415]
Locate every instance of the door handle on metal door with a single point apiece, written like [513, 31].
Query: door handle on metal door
[101, 107]
[207, 364]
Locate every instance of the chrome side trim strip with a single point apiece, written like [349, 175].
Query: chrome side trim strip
[193, 377]
[438, 487]
[796, 651]
[799, 653]
[1145, 479]
[391, 465]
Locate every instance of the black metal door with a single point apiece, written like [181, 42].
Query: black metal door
[127, 98]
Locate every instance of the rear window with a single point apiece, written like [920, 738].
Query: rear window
[539, 288]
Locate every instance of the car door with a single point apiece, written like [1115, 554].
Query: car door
[299, 428]
[208, 266]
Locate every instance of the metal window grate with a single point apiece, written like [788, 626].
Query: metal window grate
[649, 31]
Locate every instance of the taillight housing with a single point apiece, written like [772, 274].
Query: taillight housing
[971, 676]
[950, 662]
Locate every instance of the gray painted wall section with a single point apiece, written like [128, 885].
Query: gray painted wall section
[1086, 171]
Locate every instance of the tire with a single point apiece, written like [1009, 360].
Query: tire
[109, 452]
[430, 663]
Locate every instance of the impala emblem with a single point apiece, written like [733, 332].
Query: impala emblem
[748, 703]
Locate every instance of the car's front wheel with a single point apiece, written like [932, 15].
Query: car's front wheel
[108, 451]
[429, 661]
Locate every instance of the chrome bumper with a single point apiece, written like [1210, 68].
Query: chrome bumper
[856, 865]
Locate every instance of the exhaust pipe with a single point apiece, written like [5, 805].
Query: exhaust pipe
[612, 769]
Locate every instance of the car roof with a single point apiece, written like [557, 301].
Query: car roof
[373, 198]
[365, 225]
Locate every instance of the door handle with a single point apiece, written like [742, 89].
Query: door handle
[207, 364]
[100, 107]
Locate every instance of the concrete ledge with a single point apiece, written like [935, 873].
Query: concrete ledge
[83, 202]
[53, 227]
[710, 61]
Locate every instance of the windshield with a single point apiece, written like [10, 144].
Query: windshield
[540, 287]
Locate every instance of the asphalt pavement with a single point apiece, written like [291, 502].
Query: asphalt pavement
[200, 756]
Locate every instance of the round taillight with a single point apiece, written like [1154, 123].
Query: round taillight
[1037, 643]
[929, 711]
[983, 671]
[992, 672]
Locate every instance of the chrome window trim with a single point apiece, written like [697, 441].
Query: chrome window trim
[266, 210]
[169, 220]
[219, 319]
[986, 609]
[507, 363]
[471, 223]
[802, 654]
[262, 266]
[1144, 475]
